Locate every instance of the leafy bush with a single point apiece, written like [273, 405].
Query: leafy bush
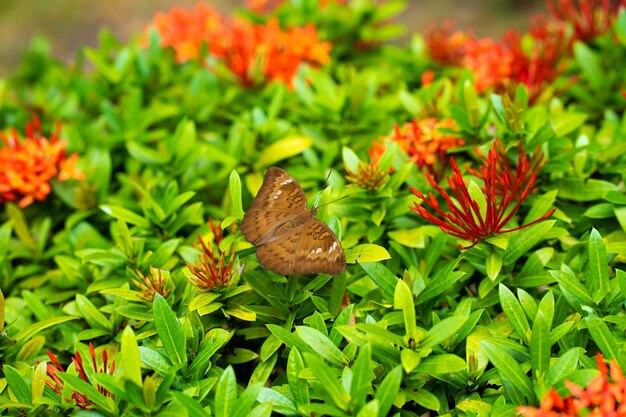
[484, 226]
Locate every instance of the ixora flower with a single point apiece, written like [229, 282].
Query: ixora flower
[424, 143]
[212, 270]
[602, 397]
[271, 51]
[590, 18]
[152, 284]
[187, 30]
[445, 45]
[253, 52]
[503, 192]
[56, 384]
[27, 165]
[369, 175]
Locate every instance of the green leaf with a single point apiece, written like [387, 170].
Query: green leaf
[329, 382]
[515, 313]
[525, 240]
[564, 366]
[130, 358]
[246, 401]
[226, 393]
[493, 265]
[2, 310]
[444, 329]
[426, 399]
[598, 271]
[590, 64]
[169, 330]
[574, 288]
[381, 276]
[540, 348]
[322, 345]
[235, 195]
[282, 149]
[194, 409]
[517, 385]
[603, 337]
[127, 216]
[18, 385]
[298, 387]
[361, 377]
[35, 328]
[87, 389]
[403, 300]
[387, 391]
[366, 252]
[350, 159]
[443, 280]
[91, 314]
[441, 364]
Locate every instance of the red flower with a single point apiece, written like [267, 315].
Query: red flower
[445, 46]
[212, 269]
[538, 68]
[503, 192]
[81, 400]
[590, 18]
[27, 165]
[489, 61]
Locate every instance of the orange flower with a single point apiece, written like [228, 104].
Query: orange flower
[212, 269]
[601, 397]
[424, 143]
[489, 61]
[28, 165]
[253, 52]
[152, 284]
[186, 30]
[368, 175]
[267, 53]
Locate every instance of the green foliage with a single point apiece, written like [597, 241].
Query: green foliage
[414, 326]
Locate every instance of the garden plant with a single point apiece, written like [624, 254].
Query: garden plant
[469, 193]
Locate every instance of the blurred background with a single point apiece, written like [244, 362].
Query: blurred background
[70, 24]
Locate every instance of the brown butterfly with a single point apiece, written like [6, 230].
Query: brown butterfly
[289, 239]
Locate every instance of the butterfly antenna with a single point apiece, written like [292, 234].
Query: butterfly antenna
[330, 202]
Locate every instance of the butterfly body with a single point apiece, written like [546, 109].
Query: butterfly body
[288, 237]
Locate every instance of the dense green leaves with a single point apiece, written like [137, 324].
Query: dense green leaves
[481, 305]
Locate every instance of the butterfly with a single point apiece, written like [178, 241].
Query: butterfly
[288, 237]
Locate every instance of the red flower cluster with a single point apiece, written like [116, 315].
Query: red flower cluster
[589, 18]
[514, 61]
[504, 191]
[27, 165]
[253, 52]
[81, 400]
[424, 143]
[601, 398]
[212, 269]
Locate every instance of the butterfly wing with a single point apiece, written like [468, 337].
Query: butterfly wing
[310, 249]
[279, 200]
